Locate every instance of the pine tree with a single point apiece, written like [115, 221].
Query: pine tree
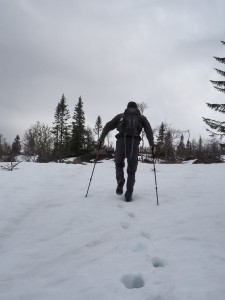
[16, 145]
[181, 148]
[98, 126]
[212, 150]
[217, 127]
[169, 151]
[161, 135]
[61, 130]
[89, 139]
[200, 149]
[78, 130]
[189, 150]
[161, 140]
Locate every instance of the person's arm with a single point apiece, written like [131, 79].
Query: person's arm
[149, 133]
[109, 126]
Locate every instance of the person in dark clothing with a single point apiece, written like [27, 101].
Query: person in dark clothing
[127, 145]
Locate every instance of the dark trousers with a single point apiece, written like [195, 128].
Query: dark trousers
[127, 148]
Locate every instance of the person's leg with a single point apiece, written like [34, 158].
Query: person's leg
[119, 162]
[132, 161]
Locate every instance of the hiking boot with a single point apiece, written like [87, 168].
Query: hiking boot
[119, 189]
[128, 196]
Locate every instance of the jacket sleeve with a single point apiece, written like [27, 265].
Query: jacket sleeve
[148, 130]
[111, 125]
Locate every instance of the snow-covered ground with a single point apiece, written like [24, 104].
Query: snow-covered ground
[57, 244]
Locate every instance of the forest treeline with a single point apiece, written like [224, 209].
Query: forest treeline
[69, 136]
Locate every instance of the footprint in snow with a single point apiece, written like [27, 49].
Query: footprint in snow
[125, 225]
[133, 281]
[158, 262]
[145, 235]
[131, 215]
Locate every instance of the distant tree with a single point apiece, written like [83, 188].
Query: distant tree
[183, 151]
[160, 143]
[78, 129]
[142, 107]
[200, 149]
[212, 149]
[98, 126]
[38, 143]
[194, 148]
[181, 148]
[217, 127]
[168, 147]
[189, 149]
[61, 130]
[89, 139]
[16, 145]
[5, 150]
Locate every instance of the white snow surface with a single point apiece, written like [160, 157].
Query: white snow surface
[55, 243]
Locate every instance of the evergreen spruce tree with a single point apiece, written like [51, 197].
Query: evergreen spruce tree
[189, 152]
[61, 130]
[212, 150]
[98, 126]
[161, 134]
[217, 127]
[169, 151]
[16, 145]
[188, 145]
[89, 139]
[78, 129]
[160, 144]
[181, 148]
[200, 150]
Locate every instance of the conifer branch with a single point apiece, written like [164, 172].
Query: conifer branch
[220, 72]
[220, 59]
[216, 125]
[218, 83]
[217, 107]
[219, 89]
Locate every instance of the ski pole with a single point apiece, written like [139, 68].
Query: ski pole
[156, 188]
[96, 159]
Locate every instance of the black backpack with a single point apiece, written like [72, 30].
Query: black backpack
[130, 125]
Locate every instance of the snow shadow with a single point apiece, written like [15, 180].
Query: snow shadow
[133, 281]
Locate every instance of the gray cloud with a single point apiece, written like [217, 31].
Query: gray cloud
[109, 52]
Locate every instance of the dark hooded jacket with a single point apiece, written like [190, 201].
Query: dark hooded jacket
[114, 123]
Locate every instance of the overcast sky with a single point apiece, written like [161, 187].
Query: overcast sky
[109, 52]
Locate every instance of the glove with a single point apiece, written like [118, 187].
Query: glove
[153, 148]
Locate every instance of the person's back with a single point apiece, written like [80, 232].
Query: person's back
[130, 124]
